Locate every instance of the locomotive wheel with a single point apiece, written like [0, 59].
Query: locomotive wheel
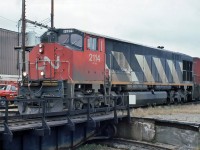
[85, 106]
[110, 130]
[112, 103]
[119, 101]
[35, 108]
[78, 105]
[97, 104]
[154, 105]
[168, 101]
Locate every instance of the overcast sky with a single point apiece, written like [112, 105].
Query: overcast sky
[174, 24]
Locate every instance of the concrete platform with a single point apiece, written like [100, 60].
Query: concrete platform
[180, 130]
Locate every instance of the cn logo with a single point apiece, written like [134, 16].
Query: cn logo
[46, 59]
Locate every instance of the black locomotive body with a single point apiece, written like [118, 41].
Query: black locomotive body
[149, 75]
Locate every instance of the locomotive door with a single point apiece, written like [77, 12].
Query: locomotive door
[94, 59]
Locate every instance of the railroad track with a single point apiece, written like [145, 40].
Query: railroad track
[126, 144]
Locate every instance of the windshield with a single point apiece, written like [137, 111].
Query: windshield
[74, 40]
[67, 37]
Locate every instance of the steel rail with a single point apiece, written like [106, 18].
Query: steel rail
[138, 144]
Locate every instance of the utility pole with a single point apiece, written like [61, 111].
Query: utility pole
[24, 20]
[52, 14]
[23, 36]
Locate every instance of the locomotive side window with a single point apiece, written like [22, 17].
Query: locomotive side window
[187, 70]
[92, 43]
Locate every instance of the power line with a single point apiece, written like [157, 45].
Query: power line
[36, 23]
[8, 19]
[45, 21]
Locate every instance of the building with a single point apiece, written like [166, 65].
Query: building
[10, 59]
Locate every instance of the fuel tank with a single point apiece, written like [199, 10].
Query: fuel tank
[147, 98]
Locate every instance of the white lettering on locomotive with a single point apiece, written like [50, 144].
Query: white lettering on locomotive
[46, 59]
[94, 58]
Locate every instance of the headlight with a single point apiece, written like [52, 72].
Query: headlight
[40, 45]
[24, 73]
[41, 48]
[42, 73]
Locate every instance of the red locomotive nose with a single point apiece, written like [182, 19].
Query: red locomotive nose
[49, 61]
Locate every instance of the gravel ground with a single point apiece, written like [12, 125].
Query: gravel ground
[193, 118]
[184, 113]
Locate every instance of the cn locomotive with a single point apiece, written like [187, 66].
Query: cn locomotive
[71, 64]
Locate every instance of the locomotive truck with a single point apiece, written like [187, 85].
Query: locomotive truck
[72, 64]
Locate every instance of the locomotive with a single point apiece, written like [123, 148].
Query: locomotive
[72, 64]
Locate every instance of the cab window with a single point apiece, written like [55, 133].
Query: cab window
[72, 40]
[49, 37]
[63, 39]
[92, 43]
[76, 40]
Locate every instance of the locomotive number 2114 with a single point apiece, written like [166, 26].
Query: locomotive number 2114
[94, 58]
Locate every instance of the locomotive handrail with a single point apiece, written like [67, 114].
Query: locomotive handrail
[70, 113]
[50, 61]
[36, 65]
